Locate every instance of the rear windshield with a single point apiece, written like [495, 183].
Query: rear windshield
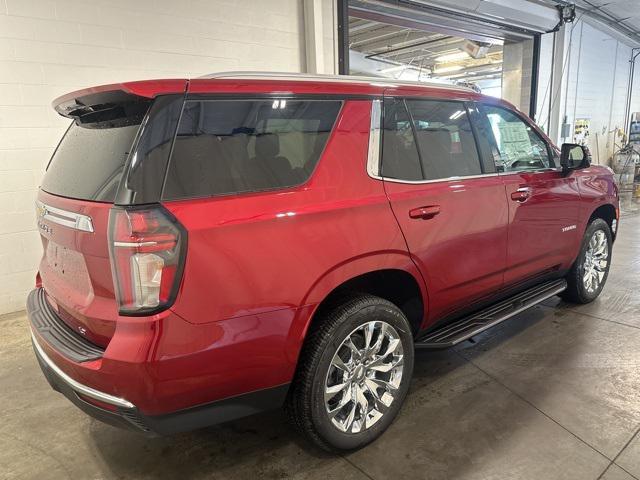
[232, 146]
[89, 162]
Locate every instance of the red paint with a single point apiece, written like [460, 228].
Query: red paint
[142, 88]
[460, 251]
[257, 265]
[75, 269]
[536, 239]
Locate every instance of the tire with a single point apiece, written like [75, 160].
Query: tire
[590, 263]
[326, 347]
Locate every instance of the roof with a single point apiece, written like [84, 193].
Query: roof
[349, 79]
[253, 82]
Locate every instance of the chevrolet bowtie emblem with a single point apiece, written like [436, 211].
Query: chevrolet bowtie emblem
[41, 210]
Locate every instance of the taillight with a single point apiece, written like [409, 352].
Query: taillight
[147, 247]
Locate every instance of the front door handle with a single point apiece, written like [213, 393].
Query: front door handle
[522, 194]
[425, 213]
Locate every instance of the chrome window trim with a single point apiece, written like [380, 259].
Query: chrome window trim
[73, 220]
[463, 177]
[536, 171]
[77, 386]
[373, 154]
[374, 157]
[439, 180]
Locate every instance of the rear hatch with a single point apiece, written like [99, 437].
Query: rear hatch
[77, 193]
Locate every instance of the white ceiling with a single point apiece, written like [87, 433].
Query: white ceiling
[621, 15]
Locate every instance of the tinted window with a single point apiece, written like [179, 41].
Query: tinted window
[520, 146]
[89, 162]
[399, 152]
[231, 146]
[484, 138]
[445, 140]
[145, 176]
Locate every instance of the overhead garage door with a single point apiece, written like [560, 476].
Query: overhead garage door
[511, 28]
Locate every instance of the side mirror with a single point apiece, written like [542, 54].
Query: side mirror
[574, 156]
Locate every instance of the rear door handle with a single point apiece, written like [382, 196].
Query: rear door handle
[522, 194]
[425, 213]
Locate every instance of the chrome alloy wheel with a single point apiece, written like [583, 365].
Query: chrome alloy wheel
[364, 376]
[596, 261]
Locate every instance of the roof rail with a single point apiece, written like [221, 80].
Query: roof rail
[383, 81]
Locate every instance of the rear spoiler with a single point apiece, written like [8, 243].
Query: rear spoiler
[108, 103]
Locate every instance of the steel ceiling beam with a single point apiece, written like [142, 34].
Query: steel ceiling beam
[383, 40]
[404, 47]
[435, 49]
[355, 27]
[434, 45]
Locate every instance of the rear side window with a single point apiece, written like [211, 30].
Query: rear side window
[89, 161]
[445, 140]
[400, 158]
[232, 146]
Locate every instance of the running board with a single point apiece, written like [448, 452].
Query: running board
[463, 329]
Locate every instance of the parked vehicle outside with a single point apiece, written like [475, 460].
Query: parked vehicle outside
[219, 246]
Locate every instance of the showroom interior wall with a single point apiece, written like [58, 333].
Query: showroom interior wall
[50, 47]
[594, 74]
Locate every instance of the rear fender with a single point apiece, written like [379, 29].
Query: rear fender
[338, 275]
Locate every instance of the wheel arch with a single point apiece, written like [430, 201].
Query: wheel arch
[606, 212]
[395, 285]
[389, 275]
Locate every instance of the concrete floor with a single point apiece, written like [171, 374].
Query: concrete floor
[551, 394]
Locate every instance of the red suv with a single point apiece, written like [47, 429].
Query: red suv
[219, 246]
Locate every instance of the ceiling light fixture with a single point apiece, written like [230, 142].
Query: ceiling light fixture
[395, 68]
[452, 68]
[450, 57]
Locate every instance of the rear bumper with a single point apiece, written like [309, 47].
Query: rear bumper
[126, 415]
[56, 333]
[123, 391]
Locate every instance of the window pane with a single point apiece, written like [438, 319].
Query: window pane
[89, 162]
[520, 146]
[445, 140]
[399, 152]
[232, 146]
